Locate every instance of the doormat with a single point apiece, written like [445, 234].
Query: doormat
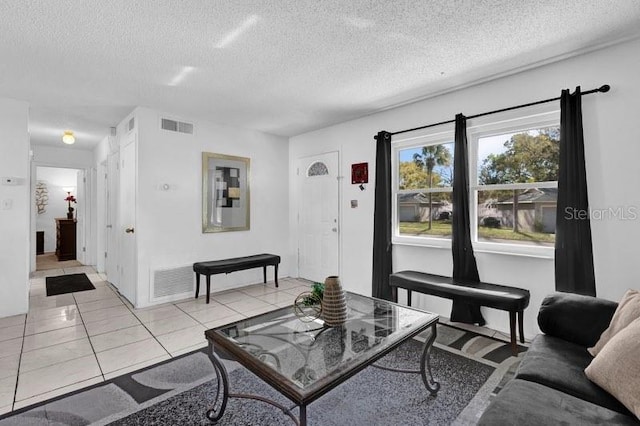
[68, 284]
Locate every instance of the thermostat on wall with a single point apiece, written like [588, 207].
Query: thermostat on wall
[8, 180]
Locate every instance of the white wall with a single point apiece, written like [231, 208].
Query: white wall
[102, 150]
[15, 204]
[169, 223]
[612, 150]
[56, 179]
[64, 156]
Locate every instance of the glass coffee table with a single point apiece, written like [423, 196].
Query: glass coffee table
[302, 359]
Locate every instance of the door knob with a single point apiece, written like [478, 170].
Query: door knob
[334, 229]
[129, 230]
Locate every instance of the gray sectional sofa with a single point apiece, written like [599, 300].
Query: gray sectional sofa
[550, 386]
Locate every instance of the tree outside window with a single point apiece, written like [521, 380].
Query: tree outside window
[425, 175]
[517, 186]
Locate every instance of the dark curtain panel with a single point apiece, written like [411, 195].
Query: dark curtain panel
[464, 261]
[574, 252]
[382, 267]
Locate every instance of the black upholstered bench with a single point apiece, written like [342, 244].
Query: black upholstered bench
[225, 266]
[511, 299]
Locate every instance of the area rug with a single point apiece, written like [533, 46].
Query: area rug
[178, 392]
[68, 284]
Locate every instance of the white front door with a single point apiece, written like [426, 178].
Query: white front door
[128, 256]
[318, 227]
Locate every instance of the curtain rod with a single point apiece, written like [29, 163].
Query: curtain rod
[604, 88]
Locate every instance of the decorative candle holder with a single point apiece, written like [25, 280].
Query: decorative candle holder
[307, 306]
[334, 302]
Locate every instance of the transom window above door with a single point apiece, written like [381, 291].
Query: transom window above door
[317, 169]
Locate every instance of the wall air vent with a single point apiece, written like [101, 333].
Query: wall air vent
[176, 126]
[131, 124]
[169, 283]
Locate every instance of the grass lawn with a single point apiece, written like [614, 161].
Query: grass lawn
[438, 228]
[443, 228]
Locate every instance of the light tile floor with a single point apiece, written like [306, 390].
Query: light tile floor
[71, 341]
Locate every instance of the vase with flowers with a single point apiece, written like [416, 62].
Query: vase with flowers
[70, 199]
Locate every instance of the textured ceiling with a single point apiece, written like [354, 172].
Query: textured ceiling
[283, 67]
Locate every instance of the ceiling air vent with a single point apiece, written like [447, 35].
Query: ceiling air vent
[176, 126]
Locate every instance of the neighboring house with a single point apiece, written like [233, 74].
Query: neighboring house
[415, 207]
[536, 210]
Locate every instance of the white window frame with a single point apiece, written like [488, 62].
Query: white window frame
[437, 137]
[511, 123]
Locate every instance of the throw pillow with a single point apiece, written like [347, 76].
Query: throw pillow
[627, 311]
[616, 369]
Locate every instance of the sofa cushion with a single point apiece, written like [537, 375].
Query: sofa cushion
[627, 311]
[525, 403]
[617, 367]
[560, 365]
[576, 318]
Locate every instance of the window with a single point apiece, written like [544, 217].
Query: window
[423, 175]
[514, 184]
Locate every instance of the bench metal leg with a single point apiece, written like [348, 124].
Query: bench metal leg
[408, 297]
[512, 327]
[394, 294]
[264, 274]
[197, 284]
[276, 273]
[208, 287]
[521, 325]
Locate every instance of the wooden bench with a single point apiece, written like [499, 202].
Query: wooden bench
[511, 299]
[226, 266]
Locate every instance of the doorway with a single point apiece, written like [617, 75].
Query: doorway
[59, 243]
[127, 251]
[318, 214]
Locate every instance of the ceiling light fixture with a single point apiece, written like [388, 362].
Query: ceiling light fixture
[68, 137]
[237, 32]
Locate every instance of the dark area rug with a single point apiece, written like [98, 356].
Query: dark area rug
[179, 391]
[372, 397]
[68, 284]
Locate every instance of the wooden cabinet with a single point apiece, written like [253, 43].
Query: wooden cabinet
[65, 239]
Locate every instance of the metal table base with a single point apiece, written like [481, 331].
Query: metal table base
[215, 413]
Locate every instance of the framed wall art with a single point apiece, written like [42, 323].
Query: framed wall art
[225, 193]
[360, 173]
